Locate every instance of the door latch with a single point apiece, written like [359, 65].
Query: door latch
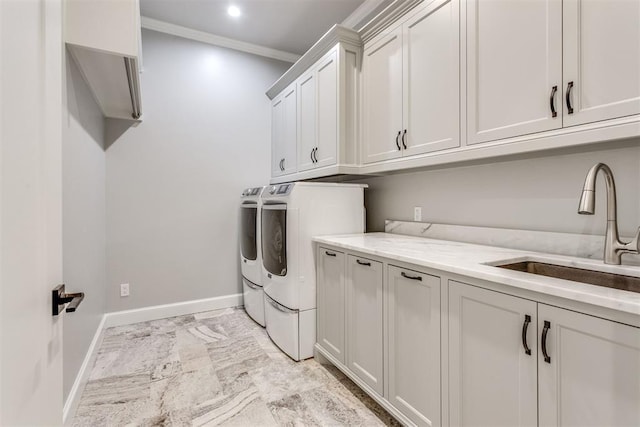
[60, 298]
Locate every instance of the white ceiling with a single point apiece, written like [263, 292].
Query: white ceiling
[288, 25]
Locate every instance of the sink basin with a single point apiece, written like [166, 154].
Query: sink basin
[599, 278]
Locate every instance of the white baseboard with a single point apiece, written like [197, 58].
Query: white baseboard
[127, 317]
[73, 400]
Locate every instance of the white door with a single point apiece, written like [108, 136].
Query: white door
[290, 131]
[326, 149]
[382, 97]
[307, 121]
[592, 374]
[492, 376]
[514, 62]
[601, 48]
[331, 302]
[431, 44]
[364, 320]
[414, 345]
[277, 136]
[30, 211]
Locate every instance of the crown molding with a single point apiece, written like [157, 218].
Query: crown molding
[204, 37]
[387, 17]
[337, 34]
[363, 14]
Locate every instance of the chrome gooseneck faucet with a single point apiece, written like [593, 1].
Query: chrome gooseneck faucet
[613, 247]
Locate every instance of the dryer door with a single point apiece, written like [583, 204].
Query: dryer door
[274, 238]
[248, 213]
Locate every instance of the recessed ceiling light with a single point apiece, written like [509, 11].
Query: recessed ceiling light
[234, 11]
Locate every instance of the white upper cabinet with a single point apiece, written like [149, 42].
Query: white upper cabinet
[284, 132]
[382, 98]
[589, 370]
[326, 82]
[307, 120]
[103, 37]
[411, 85]
[601, 67]
[514, 68]
[431, 84]
[318, 114]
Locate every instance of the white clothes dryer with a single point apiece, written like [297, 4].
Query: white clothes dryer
[291, 215]
[250, 254]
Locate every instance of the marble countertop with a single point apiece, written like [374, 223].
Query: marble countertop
[476, 261]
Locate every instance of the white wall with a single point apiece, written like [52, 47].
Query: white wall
[174, 181]
[538, 193]
[83, 219]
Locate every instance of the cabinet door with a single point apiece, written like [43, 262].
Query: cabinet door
[331, 302]
[593, 375]
[601, 48]
[382, 96]
[307, 119]
[414, 345]
[492, 379]
[327, 146]
[277, 136]
[514, 60]
[431, 79]
[364, 320]
[290, 131]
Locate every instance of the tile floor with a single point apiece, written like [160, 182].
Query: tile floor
[214, 368]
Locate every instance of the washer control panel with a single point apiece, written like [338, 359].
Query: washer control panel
[280, 189]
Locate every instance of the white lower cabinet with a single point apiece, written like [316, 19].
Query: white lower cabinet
[592, 374]
[584, 372]
[492, 377]
[511, 361]
[331, 302]
[414, 345]
[364, 320]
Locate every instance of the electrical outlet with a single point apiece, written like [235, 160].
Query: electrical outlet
[417, 213]
[124, 290]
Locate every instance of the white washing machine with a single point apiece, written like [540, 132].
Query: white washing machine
[291, 214]
[250, 254]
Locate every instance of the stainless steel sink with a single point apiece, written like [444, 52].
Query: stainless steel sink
[599, 278]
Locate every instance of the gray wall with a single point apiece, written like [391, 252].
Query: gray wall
[83, 219]
[174, 181]
[538, 193]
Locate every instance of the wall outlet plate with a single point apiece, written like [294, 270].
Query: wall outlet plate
[124, 290]
[417, 213]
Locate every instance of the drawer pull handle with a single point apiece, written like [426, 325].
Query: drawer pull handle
[330, 253]
[568, 97]
[545, 331]
[404, 134]
[525, 326]
[406, 276]
[398, 143]
[552, 98]
[368, 264]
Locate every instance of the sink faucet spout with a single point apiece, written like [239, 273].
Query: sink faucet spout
[613, 247]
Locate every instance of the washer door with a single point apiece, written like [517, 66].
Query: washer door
[248, 214]
[274, 238]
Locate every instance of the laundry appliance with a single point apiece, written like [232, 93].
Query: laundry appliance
[292, 214]
[250, 254]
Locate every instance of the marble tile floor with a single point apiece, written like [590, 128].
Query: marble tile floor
[214, 368]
